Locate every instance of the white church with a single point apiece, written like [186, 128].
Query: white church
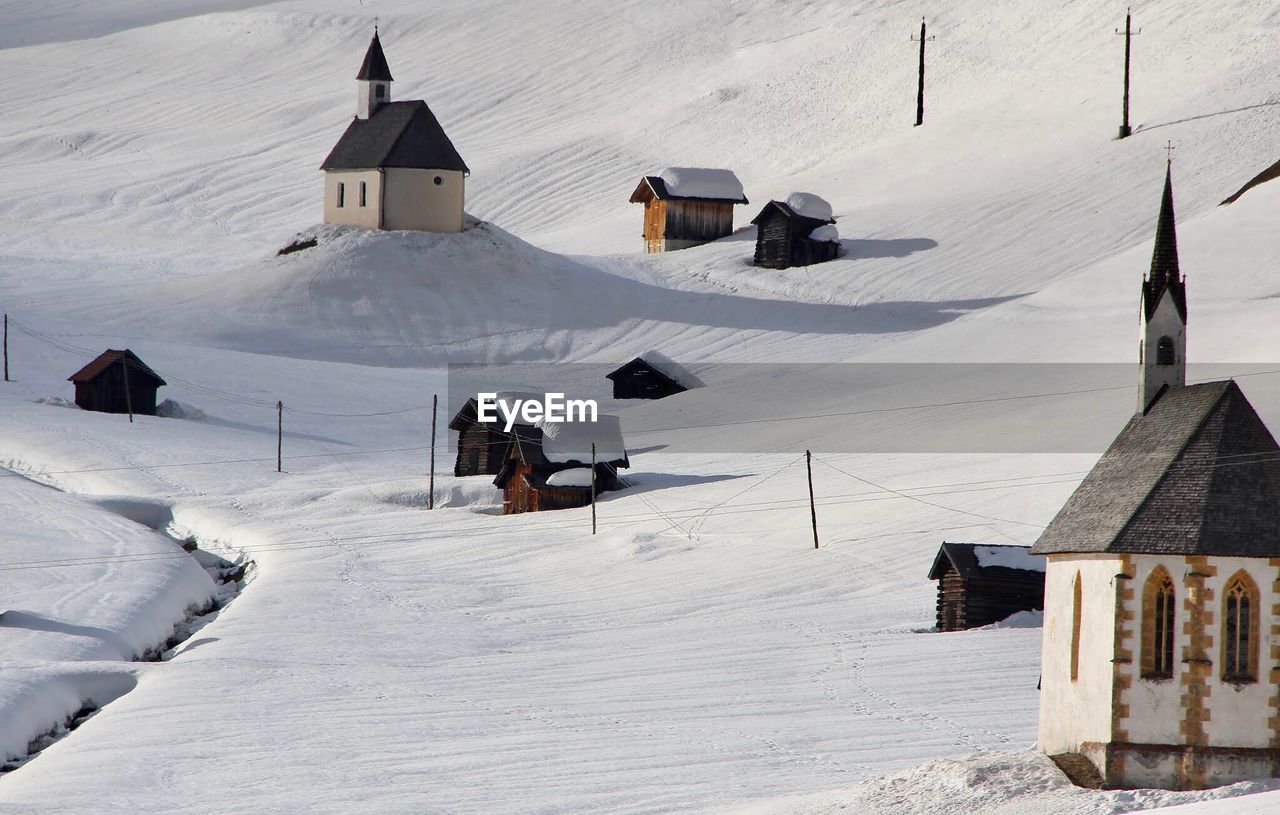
[394, 167]
[1161, 650]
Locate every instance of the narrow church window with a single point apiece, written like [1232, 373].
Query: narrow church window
[1239, 632]
[1158, 626]
[1075, 630]
[1164, 351]
[362, 193]
[342, 194]
[380, 91]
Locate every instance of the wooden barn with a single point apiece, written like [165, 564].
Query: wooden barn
[117, 382]
[797, 232]
[651, 376]
[980, 584]
[687, 206]
[482, 447]
[549, 466]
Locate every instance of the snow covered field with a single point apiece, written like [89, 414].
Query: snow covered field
[698, 655]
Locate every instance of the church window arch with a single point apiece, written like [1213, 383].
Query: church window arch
[1076, 596]
[1159, 608]
[1240, 629]
[1164, 351]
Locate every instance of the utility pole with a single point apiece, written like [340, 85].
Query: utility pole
[813, 510]
[593, 488]
[431, 481]
[1125, 130]
[279, 437]
[6, 347]
[920, 90]
[128, 398]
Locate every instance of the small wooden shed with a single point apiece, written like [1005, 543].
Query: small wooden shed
[981, 583]
[687, 206]
[117, 382]
[797, 232]
[482, 446]
[651, 376]
[549, 466]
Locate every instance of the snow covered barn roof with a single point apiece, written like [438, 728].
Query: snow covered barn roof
[980, 559]
[108, 358]
[1159, 488]
[564, 442]
[664, 365]
[468, 414]
[691, 183]
[398, 134]
[808, 213]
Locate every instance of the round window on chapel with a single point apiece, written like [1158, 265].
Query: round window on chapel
[439, 180]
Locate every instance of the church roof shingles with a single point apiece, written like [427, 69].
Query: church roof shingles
[1197, 474]
[398, 134]
[374, 67]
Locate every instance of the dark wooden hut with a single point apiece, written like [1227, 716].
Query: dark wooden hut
[482, 446]
[783, 235]
[687, 206]
[117, 382]
[980, 584]
[651, 376]
[548, 467]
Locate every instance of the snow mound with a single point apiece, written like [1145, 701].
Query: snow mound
[826, 232]
[563, 442]
[1020, 619]
[1025, 783]
[702, 182]
[1010, 557]
[810, 206]
[670, 368]
[173, 409]
[573, 477]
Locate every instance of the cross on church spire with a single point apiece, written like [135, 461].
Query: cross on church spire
[1168, 149]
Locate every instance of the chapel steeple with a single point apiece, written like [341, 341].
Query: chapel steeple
[1162, 335]
[373, 83]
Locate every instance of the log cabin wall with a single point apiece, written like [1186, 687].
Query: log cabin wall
[981, 601]
[694, 220]
[480, 451]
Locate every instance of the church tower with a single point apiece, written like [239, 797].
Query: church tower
[373, 83]
[1162, 334]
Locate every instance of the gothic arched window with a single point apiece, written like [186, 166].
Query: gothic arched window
[1164, 351]
[1075, 629]
[1158, 605]
[1240, 630]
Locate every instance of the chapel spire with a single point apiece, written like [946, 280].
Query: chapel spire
[1162, 333]
[373, 83]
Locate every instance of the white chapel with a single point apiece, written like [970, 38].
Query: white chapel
[1161, 649]
[394, 167]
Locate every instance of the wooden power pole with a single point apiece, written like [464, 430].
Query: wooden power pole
[6, 347]
[593, 488]
[279, 437]
[813, 509]
[128, 397]
[1125, 130]
[431, 479]
[920, 89]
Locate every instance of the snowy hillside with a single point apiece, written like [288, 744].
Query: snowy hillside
[698, 655]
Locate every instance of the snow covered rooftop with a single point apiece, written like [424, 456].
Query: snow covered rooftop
[701, 182]
[668, 367]
[1010, 557]
[826, 232]
[563, 442]
[809, 205]
[572, 477]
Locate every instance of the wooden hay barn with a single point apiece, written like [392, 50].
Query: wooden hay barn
[482, 447]
[651, 376]
[980, 584]
[797, 232]
[549, 466]
[687, 206]
[117, 382]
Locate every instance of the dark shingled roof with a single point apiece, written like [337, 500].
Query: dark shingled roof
[108, 358]
[398, 134]
[375, 65]
[965, 562]
[1197, 474]
[1165, 275]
